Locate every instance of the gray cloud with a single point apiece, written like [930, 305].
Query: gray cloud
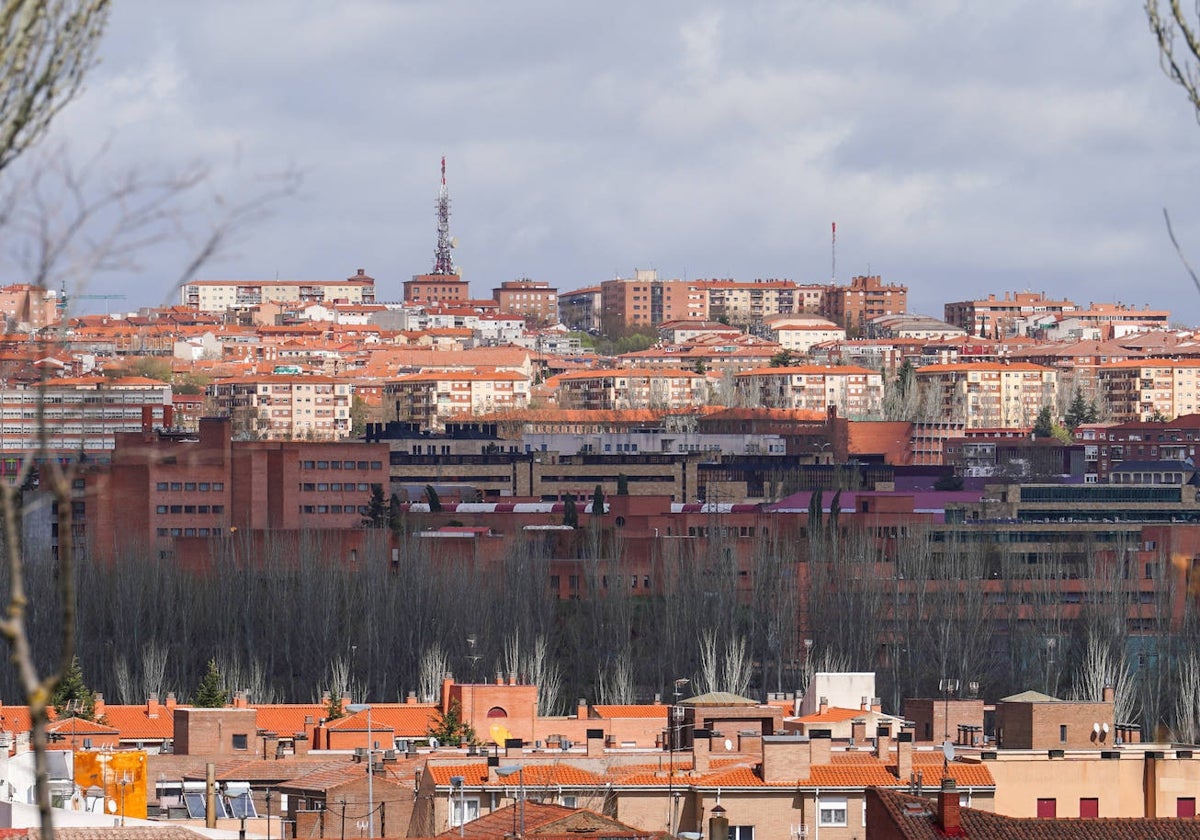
[961, 147]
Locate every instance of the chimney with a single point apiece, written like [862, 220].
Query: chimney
[796, 699]
[499, 678]
[904, 755]
[300, 744]
[595, 742]
[820, 746]
[1109, 694]
[785, 759]
[718, 825]
[700, 749]
[447, 681]
[581, 709]
[98, 706]
[822, 705]
[866, 704]
[883, 742]
[171, 702]
[270, 746]
[877, 704]
[152, 707]
[948, 809]
[512, 678]
[858, 730]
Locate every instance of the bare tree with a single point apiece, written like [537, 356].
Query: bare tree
[46, 49]
[1170, 24]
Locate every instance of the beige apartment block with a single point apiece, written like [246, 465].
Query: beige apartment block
[630, 388]
[987, 395]
[223, 295]
[855, 391]
[285, 407]
[429, 398]
[1141, 389]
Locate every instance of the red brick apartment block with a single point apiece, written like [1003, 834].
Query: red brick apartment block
[436, 288]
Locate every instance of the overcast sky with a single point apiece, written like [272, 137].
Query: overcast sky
[962, 148]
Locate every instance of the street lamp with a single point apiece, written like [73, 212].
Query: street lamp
[674, 727]
[457, 783]
[504, 773]
[355, 708]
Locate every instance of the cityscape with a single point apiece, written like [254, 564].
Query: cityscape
[740, 551]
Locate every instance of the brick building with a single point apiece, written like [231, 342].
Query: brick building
[865, 298]
[997, 318]
[280, 406]
[534, 299]
[436, 288]
[160, 491]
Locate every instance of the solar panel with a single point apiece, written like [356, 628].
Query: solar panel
[242, 806]
[195, 806]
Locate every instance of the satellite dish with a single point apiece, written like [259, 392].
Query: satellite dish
[111, 805]
[433, 743]
[948, 749]
[728, 745]
[1104, 727]
[1096, 728]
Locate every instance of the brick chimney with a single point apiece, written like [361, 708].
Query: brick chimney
[858, 731]
[153, 709]
[410, 699]
[820, 746]
[171, 702]
[948, 809]
[785, 759]
[595, 742]
[447, 682]
[883, 742]
[866, 704]
[581, 709]
[98, 706]
[904, 755]
[700, 751]
[1109, 694]
[822, 705]
[300, 744]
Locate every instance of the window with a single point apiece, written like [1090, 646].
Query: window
[219, 486]
[1089, 808]
[1062, 733]
[1047, 809]
[161, 509]
[743, 832]
[162, 485]
[831, 810]
[175, 485]
[459, 807]
[189, 485]
[240, 742]
[1185, 807]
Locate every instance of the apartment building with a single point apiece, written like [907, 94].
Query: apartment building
[28, 308]
[216, 492]
[442, 289]
[865, 298]
[79, 415]
[997, 318]
[1109, 446]
[427, 399]
[645, 301]
[534, 299]
[740, 302]
[854, 391]
[1141, 389]
[580, 309]
[226, 295]
[800, 333]
[987, 394]
[284, 406]
[623, 389]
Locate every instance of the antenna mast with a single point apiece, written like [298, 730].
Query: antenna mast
[833, 252]
[443, 262]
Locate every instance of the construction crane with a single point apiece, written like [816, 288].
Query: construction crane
[64, 299]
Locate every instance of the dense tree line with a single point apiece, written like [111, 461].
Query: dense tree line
[289, 624]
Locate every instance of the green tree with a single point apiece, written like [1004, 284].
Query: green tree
[784, 358]
[359, 411]
[1043, 426]
[211, 693]
[571, 512]
[450, 728]
[598, 501]
[431, 496]
[699, 366]
[815, 507]
[72, 697]
[395, 514]
[377, 510]
[333, 709]
[1080, 411]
